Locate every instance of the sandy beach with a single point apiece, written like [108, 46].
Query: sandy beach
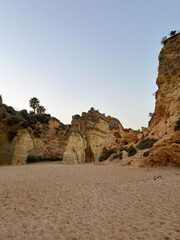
[50, 201]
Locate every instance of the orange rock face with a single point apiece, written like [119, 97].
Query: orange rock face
[167, 109]
[50, 140]
[168, 82]
[132, 135]
[165, 151]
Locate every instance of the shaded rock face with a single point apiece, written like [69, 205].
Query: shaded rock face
[15, 151]
[50, 140]
[88, 134]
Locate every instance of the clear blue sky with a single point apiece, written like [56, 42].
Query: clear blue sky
[77, 54]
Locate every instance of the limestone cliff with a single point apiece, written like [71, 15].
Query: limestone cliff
[49, 140]
[164, 127]
[15, 151]
[168, 82]
[167, 109]
[24, 135]
[89, 133]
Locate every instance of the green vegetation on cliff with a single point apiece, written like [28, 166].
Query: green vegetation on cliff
[146, 143]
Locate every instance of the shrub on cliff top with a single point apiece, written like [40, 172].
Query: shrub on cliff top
[13, 120]
[24, 114]
[172, 33]
[10, 109]
[147, 143]
[164, 40]
[106, 155]
[34, 118]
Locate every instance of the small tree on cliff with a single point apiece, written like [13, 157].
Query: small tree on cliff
[34, 103]
[172, 33]
[41, 109]
[164, 39]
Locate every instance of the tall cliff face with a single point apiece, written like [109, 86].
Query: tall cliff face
[168, 82]
[167, 109]
[88, 134]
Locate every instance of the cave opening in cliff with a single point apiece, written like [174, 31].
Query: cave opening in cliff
[35, 159]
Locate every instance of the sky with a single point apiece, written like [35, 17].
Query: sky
[77, 54]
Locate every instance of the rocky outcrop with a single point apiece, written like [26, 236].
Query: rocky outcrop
[164, 126]
[132, 135]
[167, 109]
[168, 82]
[15, 151]
[25, 135]
[165, 152]
[89, 134]
[22, 145]
[49, 140]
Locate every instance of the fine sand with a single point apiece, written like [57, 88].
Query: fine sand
[52, 201]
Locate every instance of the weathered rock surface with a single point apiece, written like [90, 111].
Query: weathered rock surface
[15, 151]
[132, 135]
[167, 109]
[168, 82]
[50, 140]
[41, 140]
[89, 135]
[165, 152]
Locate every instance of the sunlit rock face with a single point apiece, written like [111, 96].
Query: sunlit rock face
[89, 133]
[15, 148]
[50, 140]
[165, 152]
[167, 110]
[168, 82]
[15, 151]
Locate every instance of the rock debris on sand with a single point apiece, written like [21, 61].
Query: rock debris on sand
[54, 201]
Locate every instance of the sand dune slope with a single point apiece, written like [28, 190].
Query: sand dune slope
[53, 201]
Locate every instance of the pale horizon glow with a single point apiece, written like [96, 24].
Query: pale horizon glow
[73, 55]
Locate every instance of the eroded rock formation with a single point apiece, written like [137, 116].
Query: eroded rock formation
[93, 134]
[23, 135]
[164, 126]
[90, 133]
[167, 109]
[168, 82]
[49, 140]
[15, 151]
